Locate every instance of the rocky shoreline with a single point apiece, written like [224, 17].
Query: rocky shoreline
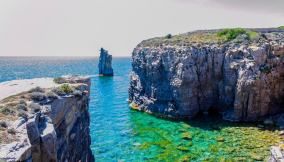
[47, 124]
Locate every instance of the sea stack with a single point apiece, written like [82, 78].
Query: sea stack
[105, 68]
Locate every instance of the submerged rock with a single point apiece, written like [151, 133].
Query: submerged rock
[105, 67]
[195, 72]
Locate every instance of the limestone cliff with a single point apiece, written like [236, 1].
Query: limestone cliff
[238, 73]
[105, 60]
[52, 123]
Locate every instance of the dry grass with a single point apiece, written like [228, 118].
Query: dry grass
[185, 39]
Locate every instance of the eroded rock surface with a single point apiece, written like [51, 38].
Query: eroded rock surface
[105, 66]
[241, 78]
[54, 128]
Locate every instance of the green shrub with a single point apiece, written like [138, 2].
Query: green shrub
[63, 89]
[66, 88]
[281, 27]
[169, 36]
[253, 35]
[230, 34]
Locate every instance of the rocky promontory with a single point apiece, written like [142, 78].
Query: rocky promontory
[238, 73]
[48, 122]
[105, 63]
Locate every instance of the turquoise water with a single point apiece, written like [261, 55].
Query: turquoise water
[121, 134]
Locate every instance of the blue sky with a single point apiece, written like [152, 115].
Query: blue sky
[81, 27]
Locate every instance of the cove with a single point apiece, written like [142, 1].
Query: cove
[121, 134]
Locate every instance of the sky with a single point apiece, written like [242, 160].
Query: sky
[82, 27]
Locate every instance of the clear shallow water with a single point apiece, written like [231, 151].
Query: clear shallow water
[121, 134]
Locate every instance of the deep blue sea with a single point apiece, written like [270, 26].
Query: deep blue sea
[121, 134]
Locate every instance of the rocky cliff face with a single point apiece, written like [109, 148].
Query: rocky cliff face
[105, 67]
[184, 75]
[55, 126]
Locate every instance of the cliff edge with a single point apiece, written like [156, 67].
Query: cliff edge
[236, 72]
[49, 123]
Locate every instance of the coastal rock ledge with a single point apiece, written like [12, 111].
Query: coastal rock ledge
[238, 73]
[46, 124]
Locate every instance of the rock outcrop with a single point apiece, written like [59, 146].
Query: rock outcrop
[105, 60]
[53, 124]
[179, 77]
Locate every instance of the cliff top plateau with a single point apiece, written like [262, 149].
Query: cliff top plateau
[217, 36]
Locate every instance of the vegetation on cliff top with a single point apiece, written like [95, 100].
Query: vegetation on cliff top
[25, 103]
[213, 36]
[184, 39]
[230, 34]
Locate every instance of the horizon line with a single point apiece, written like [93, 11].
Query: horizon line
[65, 56]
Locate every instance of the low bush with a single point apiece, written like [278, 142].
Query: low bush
[11, 131]
[230, 34]
[6, 110]
[36, 89]
[253, 35]
[63, 89]
[51, 95]
[66, 88]
[22, 114]
[34, 107]
[3, 124]
[37, 96]
[281, 27]
[169, 36]
[22, 101]
[22, 107]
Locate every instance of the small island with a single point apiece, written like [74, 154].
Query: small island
[105, 67]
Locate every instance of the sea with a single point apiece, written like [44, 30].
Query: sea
[120, 134]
